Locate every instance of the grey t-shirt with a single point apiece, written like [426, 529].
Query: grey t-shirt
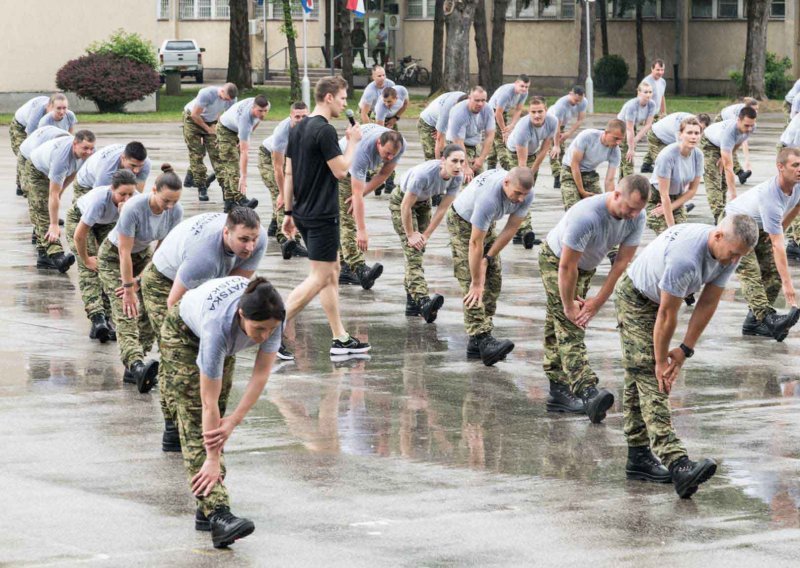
[659, 88]
[212, 104]
[505, 97]
[211, 312]
[437, 112]
[668, 127]
[138, 221]
[382, 112]
[97, 207]
[766, 204]
[372, 92]
[68, 121]
[194, 252]
[594, 153]
[724, 135]
[790, 137]
[239, 118]
[633, 111]
[465, 125]
[425, 180]
[679, 263]
[565, 111]
[526, 134]
[100, 167]
[678, 169]
[589, 228]
[39, 137]
[32, 110]
[483, 201]
[789, 98]
[367, 158]
[56, 159]
[279, 139]
[731, 112]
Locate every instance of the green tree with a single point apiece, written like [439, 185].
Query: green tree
[290, 32]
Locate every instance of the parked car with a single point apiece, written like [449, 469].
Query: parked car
[182, 55]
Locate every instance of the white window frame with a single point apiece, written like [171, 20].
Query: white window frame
[535, 4]
[215, 6]
[163, 9]
[715, 13]
[778, 18]
[273, 14]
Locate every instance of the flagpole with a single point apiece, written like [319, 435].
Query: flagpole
[306, 84]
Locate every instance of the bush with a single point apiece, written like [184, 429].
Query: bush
[610, 74]
[132, 46]
[109, 80]
[776, 81]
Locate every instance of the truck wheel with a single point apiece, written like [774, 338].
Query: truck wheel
[199, 77]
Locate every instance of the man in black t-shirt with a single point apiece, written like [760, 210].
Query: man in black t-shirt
[314, 164]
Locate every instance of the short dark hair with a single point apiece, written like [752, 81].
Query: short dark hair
[389, 93]
[242, 216]
[391, 136]
[537, 100]
[122, 177]
[635, 183]
[616, 124]
[657, 62]
[329, 86]
[462, 98]
[135, 150]
[261, 301]
[704, 119]
[168, 179]
[524, 78]
[783, 155]
[578, 90]
[232, 90]
[261, 101]
[521, 177]
[85, 136]
[475, 89]
[748, 112]
[299, 105]
[450, 148]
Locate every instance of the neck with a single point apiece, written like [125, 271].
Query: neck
[443, 173]
[323, 111]
[685, 149]
[786, 186]
[153, 206]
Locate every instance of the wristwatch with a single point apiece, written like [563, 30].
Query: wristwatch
[687, 351]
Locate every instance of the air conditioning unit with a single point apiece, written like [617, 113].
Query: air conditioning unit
[256, 27]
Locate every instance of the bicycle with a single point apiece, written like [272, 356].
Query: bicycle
[409, 72]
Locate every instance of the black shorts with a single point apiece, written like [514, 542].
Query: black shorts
[321, 237]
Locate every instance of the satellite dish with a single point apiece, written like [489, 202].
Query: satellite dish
[449, 6]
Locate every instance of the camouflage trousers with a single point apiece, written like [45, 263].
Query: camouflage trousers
[427, 137]
[508, 161]
[349, 252]
[180, 378]
[646, 412]
[18, 135]
[654, 147]
[626, 167]
[569, 191]
[565, 360]
[22, 165]
[793, 231]
[713, 179]
[155, 292]
[199, 142]
[499, 151]
[267, 170]
[78, 191]
[759, 276]
[659, 224]
[134, 335]
[94, 299]
[555, 163]
[414, 280]
[477, 319]
[228, 168]
[38, 206]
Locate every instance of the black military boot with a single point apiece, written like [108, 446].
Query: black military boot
[300, 250]
[202, 193]
[612, 257]
[688, 475]
[34, 240]
[99, 330]
[170, 439]
[517, 239]
[689, 207]
[287, 248]
[210, 179]
[689, 300]
[201, 522]
[597, 402]
[562, 399]
[529, 240]
[473, 350]
[128, 377]
[188, 181]
[744, 175]
[145, 375]
[645, 466]
[19, 191]
[63, 260]
[227, 528]
[412, 308]
[792, 249]
[388, 186]
[436, 200]
[429, 307]
[752, 326]
[367, 275]
[647, 168]
[272, 230]
[347, 276]
[557, 183]
[493, 350]
[780, 324]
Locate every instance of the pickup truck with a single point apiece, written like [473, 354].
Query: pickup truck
[182, 55]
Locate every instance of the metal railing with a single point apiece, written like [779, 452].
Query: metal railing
[285, 52]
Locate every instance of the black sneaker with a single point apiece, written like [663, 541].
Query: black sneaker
[781, 324]
[792, 249]
[171, 438]
[493, 350]
[529, 240]
[689, 300]
[557, 183]
[202, 193]
[19, 191]
[412, 307]
[352, 345]
[300, 250]
[287, 248]
[201, 522]
[643, 465]
[188, 181]
[562, 399]
[688, 475]
[145, 375]
[227, 528]
[99, 330]
[347, 276]
[272, 230]
[284, 354]
[597, 402]
[647, 168]
[429, 307]
[367, 275]
[689, 206]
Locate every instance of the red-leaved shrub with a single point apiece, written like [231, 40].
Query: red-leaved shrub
[109, 80]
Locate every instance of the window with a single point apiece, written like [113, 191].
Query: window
[727, 8]
[618, 9]
[274, 9]
[778, 9]
[163, 10]
[541, 9]
[202, 9]
[702, 9]
[416, 9]
[568, 9]
[223, 9]
[649, 9]
[669, 9]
